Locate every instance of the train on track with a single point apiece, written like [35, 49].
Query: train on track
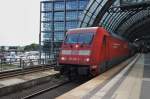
[91, 51]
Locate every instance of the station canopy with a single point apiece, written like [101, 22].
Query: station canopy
[127, 18]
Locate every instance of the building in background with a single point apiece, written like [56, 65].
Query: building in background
[11, 49]
[57, 16]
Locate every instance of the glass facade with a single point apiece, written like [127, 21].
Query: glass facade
[57, 16]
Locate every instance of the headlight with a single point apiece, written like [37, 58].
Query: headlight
[87, 59]
[62, 58]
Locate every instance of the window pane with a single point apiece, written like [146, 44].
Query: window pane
[59, 16]
[71, 5]
[82, 38]
[59, 36]
[59, 26]
[80, 13]
[47, 6]
[46, 16]
[83, 4]
[71, 15]
[85, 38]
[46, 35]
[59, 6]
[71, 25]
[45, 39]
[46, 27]
[72, 38]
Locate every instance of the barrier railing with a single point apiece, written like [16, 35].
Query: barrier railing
[18, 63]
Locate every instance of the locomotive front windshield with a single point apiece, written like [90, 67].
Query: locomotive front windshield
[81, 38]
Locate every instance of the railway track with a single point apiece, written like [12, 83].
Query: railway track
[17, 72]
[60, 87]
[54, 88]
[45, 90]
[55, 81]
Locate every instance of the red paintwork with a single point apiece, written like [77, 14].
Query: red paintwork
[100, 51]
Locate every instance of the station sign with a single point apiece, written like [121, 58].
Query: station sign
[133, 2]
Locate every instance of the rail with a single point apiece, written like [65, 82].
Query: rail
[16, 72]
[45, 90]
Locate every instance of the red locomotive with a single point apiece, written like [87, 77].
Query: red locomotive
[91, 51]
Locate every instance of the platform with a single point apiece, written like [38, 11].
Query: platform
[133, 82]
[17, 83]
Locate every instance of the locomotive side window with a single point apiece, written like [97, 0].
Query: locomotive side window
[81, 38]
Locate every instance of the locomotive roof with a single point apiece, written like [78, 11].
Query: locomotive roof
[117, 36]
[86, 28]
[94, 29]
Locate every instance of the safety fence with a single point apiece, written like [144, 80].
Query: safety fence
[7, 64]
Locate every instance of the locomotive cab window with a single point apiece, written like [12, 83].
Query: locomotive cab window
[80, 38]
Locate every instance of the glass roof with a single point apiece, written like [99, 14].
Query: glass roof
[109, 14]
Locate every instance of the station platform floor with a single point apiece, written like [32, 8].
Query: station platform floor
[17, 83]
[133, 82]
[24, 78]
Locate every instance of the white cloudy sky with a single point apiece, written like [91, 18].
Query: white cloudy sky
[19, 22]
